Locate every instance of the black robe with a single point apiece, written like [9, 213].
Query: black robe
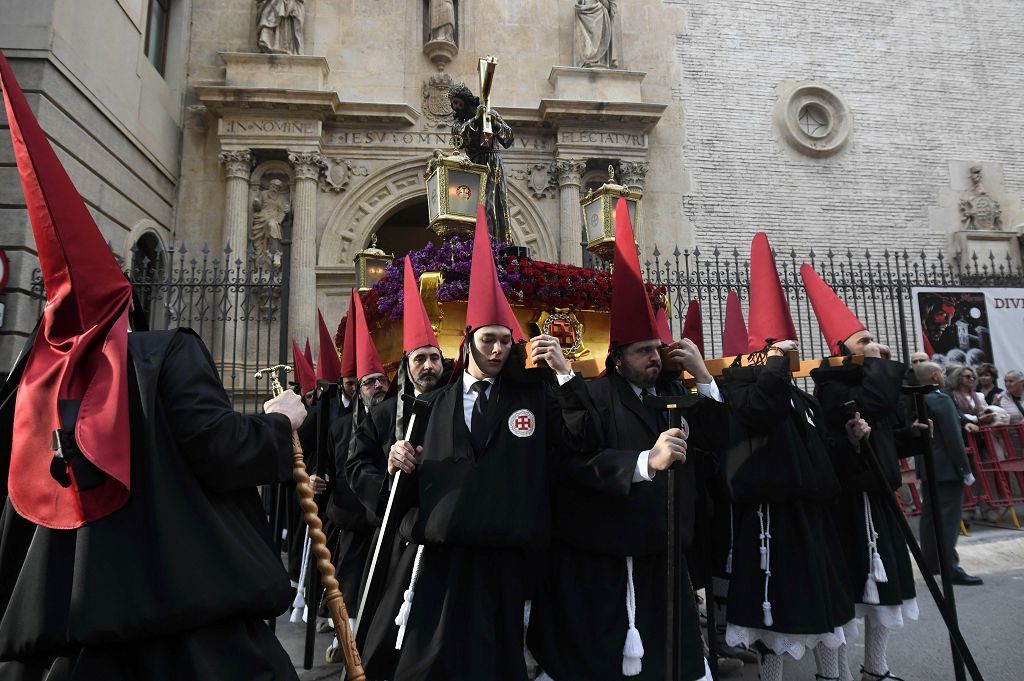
[482, 517]
[354, 523]
[367, 474]
[174, 584]
[781, 463]
[578, 623]
[875, 387]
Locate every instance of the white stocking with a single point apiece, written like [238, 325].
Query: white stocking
[844, 664]
[770, 667]
[827, 661]
[876, 640]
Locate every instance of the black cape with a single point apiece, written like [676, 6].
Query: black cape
[578, 622]
[354, 523]
[781, 464]
[174, 584]
[482, 515]
[875, 387]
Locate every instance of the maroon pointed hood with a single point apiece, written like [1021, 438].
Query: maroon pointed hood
[80, 354]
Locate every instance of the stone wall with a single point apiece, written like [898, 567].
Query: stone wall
[112, 119]
[931, 87]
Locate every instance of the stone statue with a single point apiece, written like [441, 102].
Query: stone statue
[279, 26]
[467, 114]
[597, 42]
[442, 20]
[269, 209]
[979, 210]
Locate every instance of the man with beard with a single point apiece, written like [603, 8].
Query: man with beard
[354, 522]
[481, 481]
[134, 544]
[875, 551]
[601, 614]
[468, 114]
[378, 451]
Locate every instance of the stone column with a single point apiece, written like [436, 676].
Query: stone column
[570, 173]
[237, 171]
[634, 173]
[302, 284]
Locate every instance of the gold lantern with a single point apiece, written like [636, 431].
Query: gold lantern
[370, 265]
[599, 215]
[455, 187]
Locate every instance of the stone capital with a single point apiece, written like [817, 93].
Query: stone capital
[307, 164]
[237, 163]
[569, 171]
[634, 173]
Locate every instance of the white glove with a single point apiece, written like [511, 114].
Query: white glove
[289, 404]
[969, 479]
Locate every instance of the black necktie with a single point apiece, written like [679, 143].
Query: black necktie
[478, 422]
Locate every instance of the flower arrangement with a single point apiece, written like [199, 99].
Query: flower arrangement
[522, 279]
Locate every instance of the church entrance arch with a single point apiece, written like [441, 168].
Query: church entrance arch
[391, 191]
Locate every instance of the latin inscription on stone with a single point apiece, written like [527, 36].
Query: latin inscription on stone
[268, 127]
[434, 140]
[598, 137]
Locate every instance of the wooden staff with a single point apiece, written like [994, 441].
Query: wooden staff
[335, 601]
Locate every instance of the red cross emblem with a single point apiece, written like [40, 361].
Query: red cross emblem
[522, 423]
[565, 333]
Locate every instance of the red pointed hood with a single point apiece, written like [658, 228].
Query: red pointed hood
[348, 348]
[633, 319]
[308, 354]
[328, 364]
[836, 321]
[769, 311]
[664, 331]
[304, 375]
[693, 327]
[80, 353]
[734, 339]
[416, 329]
[367, 360]
[487, 302]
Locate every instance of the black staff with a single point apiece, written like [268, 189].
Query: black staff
[946, 608]
[673, 406]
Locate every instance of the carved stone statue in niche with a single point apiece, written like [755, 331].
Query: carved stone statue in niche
[442, 20]
[279, 26]
[597, 41]
[978, 210]
[269, 209]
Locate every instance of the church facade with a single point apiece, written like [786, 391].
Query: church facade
[875, 125]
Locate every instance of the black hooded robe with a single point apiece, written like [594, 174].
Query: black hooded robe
[175, 584]
[579, 622]
[875, 387]
[781, 468]
[482, 517]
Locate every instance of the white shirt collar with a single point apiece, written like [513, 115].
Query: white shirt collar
[638, 390]
[468, 380]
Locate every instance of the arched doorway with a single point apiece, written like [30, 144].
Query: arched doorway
[406, 229]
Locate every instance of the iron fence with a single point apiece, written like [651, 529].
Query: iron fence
[876, 287]
[233, 304]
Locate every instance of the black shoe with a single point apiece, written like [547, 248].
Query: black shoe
[961, 578]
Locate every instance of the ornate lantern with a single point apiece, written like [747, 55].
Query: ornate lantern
[370, 264]
[455, 187]
[599, 215]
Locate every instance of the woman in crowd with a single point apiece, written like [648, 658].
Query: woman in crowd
[988, 384]
[961, 382]
[1012, 399]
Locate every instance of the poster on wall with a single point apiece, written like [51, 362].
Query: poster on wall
[963, 325]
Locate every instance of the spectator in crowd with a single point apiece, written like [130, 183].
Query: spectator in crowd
[1012, 399]
[952, 472]
[961, 382]
[988, 383]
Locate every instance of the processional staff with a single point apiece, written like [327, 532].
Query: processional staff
[487, 66]
[335, 601]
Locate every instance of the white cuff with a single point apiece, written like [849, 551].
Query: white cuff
[562, 380]
[710, 390]
[643, 472]
[971, 418]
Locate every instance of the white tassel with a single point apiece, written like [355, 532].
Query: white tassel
[728, 563]
[878, 569]
[766, 608]
[870, 591]
[299, 603]
[402, 620]
[764, 518]
[764, 558]
[633, 650]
